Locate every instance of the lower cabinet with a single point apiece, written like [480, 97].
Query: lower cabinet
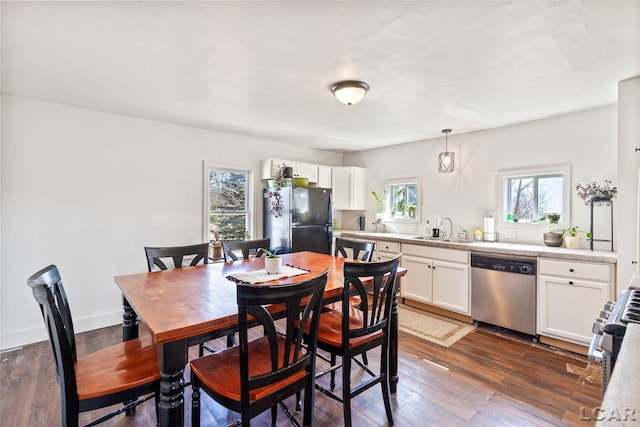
[436, 276]
[570, 296]
[386, 250]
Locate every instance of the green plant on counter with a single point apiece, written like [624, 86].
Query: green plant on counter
[573, 232]
[270, 254]
[379, 200]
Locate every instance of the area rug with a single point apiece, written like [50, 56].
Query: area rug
[432, 327]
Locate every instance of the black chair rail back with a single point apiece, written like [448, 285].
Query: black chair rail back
[155, 255]
[362, 251]
[245, 246]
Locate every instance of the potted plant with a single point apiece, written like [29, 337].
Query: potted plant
[273, 262]
[572, 237]
[594, 192]
[552, 237]
[380, 202]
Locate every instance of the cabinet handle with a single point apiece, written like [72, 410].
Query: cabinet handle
[434, 267]
[570, 282]
[571, 270]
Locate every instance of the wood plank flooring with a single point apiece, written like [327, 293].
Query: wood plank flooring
[482, 380]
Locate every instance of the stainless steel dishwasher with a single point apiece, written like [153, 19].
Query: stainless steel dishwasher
[503, 292]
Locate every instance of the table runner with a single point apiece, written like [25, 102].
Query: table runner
[261, 276]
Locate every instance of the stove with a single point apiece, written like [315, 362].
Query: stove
[609, 329]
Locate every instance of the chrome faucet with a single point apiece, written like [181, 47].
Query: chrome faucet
[444, 234]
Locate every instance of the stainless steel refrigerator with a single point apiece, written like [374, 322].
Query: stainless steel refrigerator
[300, 221]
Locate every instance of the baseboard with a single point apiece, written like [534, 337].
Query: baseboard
[437, 310]
[565, 345]
[37, 334]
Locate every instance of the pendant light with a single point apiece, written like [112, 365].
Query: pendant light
[446, 159]
[349, 92]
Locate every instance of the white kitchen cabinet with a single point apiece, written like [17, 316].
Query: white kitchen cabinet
[570, 296]
[436, 276]
[305, 170]
[324, 176]
[270, 167]
[349, 185]
[384, 251]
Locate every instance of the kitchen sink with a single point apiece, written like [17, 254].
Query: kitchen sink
[437, 239]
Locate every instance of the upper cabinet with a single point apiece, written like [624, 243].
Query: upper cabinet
[324, 177]
[349, 184]
[270, 167]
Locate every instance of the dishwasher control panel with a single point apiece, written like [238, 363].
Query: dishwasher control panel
[506, 265]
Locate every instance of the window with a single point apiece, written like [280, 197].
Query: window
[402, 200]
[228, 203]
[530, 194]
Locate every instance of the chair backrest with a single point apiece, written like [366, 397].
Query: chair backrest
[200, 252]
[49, 293]
[245, 246]
[302, 304]
[362, 251]
[376, 285]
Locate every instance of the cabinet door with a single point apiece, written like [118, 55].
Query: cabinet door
[349, 188]
[451, 286]
[324, 176]
[341, 187]
[417, 283]
[269, 167]
[306, 170]
[567, 308]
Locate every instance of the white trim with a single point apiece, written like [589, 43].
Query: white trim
[214, 164]
[397, 181]
[564, 169]
[39, 333]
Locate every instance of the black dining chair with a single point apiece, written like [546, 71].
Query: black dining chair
[259, 374]
[353, 249]
[355, 330]
[158, 257]
[161, 258]
[246, 247]
[123, 372]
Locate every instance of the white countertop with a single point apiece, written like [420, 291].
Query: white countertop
[490, 247]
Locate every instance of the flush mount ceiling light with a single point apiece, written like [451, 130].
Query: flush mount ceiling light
[349, 92]
[446, 159]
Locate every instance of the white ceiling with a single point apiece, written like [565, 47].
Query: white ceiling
[264, 68]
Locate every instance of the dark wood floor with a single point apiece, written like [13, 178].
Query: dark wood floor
[482, 380]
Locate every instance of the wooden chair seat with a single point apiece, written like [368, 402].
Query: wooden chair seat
[259, 374]
[117, 368]
[220, 372]
[122, 373]
[330, 329]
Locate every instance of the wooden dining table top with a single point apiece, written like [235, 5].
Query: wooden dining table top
[185, 302]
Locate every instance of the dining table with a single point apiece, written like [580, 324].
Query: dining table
[190, 305]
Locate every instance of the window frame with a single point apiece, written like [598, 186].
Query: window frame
[208, 166]
[387, 200]
[563, 170]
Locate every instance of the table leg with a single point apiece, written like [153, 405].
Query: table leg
[393, 345]
[172, 358]
[129, 321]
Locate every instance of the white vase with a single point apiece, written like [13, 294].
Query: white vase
[273, 265]
[573, 242]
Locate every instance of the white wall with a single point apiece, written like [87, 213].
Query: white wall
[87, 191]
[587, 140]
[627, 203]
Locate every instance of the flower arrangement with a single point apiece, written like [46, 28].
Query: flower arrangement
[275, 199]
[594, 191]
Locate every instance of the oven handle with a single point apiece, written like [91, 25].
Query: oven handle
[594, 354]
